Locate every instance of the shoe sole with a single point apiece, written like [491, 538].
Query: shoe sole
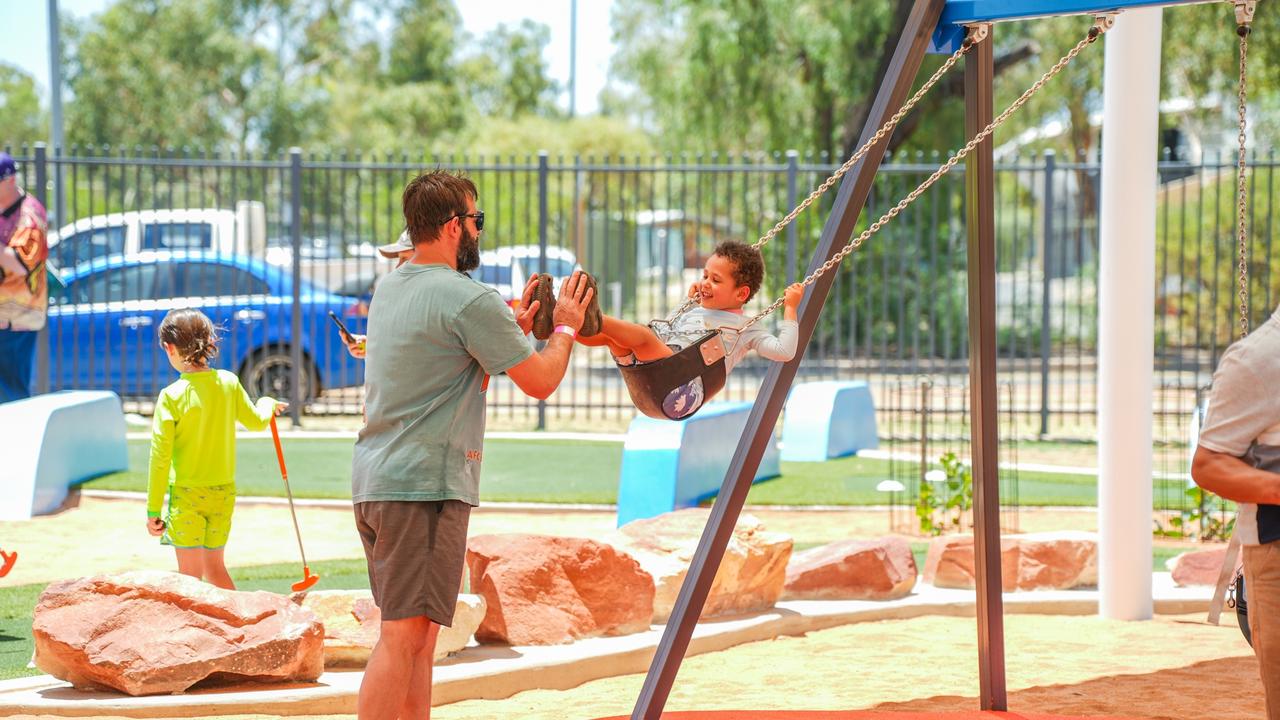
[591, 320]
[544, 294]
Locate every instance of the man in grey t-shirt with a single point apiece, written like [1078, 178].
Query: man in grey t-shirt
[1238, 458]
[435, 337]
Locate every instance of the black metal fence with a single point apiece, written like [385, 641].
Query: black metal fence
[295, 234]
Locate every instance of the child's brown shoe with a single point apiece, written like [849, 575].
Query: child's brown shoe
[545, 295]
[591, 320]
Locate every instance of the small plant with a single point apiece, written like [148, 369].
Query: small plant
[1199, 516]
[946, 496]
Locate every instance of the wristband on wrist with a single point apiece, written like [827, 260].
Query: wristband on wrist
[567, 331]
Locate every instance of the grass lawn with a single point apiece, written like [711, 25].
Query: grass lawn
[564, 471]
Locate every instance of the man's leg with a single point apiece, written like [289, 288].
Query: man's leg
[1262, 591]
[17, 351]
[417, 706]
[386, 690]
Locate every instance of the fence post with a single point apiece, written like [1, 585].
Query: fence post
[793, 171]
[1046, 266]
[543, 172]
[295, 332]
[42, 338]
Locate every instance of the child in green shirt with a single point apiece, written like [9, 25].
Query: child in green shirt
[193, 447]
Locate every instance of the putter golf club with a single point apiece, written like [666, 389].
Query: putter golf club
[9, 558]
[307, 578]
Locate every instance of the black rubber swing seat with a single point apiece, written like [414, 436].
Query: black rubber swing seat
[675, 387]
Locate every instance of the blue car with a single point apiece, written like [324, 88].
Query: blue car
[102, 326]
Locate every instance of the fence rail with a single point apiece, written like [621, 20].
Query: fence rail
[294, 235]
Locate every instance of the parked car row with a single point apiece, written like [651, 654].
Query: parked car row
[103, 323]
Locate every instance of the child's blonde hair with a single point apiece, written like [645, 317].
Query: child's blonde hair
[192, 334]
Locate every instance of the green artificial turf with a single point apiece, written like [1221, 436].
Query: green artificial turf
[565, 471]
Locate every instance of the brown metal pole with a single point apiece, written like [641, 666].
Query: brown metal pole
[984, 433]
[839, 227]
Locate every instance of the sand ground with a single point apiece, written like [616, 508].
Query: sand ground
[1171, 667]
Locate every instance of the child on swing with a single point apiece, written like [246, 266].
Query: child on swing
[731, 277]
[193, 447]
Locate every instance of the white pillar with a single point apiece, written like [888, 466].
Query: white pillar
[1126, 313]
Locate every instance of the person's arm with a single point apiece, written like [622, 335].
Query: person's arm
[163, 427]
[1230, 477]
[783, 347]
[540, 374]
[26, 250]
[256, 416]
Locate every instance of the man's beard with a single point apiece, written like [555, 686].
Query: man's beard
[468, 250]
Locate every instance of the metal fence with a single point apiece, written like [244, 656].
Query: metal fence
[298, 233]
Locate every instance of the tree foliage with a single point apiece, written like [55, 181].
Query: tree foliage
[22, 119]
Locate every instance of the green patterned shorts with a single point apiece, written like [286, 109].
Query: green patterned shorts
[199, 516]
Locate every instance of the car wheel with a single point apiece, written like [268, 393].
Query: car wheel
[269, 371]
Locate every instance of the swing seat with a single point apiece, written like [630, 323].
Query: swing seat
[675, 387]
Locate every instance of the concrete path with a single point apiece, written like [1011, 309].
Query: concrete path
[495, 672]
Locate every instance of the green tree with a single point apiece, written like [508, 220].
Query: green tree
[23, 121]
[508, 76]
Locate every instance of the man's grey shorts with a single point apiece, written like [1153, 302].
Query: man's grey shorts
[416, 552]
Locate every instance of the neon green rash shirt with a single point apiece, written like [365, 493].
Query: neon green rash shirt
[193, 432]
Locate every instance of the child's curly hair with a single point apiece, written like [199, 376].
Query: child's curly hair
[748, 264]
[192, 333]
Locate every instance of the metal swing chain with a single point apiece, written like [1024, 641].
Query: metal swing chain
[1244, 18]
[973, 39]
[1101, 25]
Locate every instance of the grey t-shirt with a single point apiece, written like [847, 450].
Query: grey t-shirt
[1243, 419]
[435, 337]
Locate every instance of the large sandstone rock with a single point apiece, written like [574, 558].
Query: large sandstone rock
[880, 569]
[352, 623]
[151, 632]
[1197, 567]
[751, 575]
[1035, 561]
[542, 590]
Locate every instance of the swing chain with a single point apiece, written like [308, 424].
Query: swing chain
[1096, 31]
[1244, 14]
[977, 33]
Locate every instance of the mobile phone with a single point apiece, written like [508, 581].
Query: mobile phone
[346, 334]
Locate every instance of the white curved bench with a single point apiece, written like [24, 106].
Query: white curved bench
[52, 442]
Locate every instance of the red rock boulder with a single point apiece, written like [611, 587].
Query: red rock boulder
[150, 632]
[1197, 567]
[880, 569]
[352, 624]
[1035, 561]
[751, 574]
[543, 590]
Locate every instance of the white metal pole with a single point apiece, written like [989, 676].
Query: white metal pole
[1126, 313]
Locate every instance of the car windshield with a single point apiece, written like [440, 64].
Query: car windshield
[556, 267]
[495, 274]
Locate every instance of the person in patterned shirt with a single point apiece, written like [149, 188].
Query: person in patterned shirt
[24, 291]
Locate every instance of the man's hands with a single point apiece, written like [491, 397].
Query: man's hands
[155, 526]
[528, 306]
[356, 346]
[279, 408]
[571, 303]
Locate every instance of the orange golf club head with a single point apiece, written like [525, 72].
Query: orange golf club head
[9, 559]
[307, 581]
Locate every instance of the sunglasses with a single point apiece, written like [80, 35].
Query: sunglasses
[478, 215]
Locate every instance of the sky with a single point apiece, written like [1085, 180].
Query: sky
[27, 46]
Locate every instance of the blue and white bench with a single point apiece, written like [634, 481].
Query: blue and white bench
[676, 464]
[52, 442]
[828, 419]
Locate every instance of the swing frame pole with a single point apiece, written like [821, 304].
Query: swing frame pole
[850, 201]
[979, 180]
